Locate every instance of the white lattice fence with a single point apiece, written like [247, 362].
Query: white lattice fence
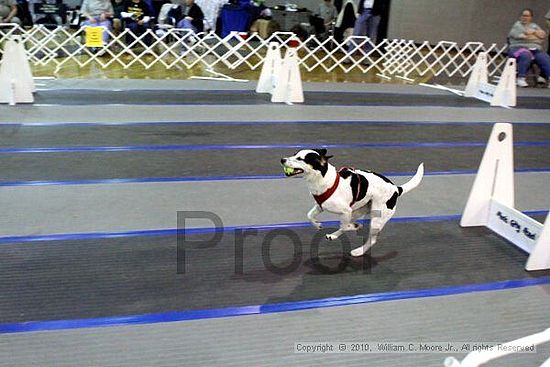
[405, 59]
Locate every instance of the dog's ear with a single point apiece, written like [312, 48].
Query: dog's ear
[324, 159]
[322, 152]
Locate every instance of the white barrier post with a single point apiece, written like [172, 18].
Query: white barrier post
[494, 178]
[270, 69]
[477, 76]
[289, 82]
[16, 82]
[491, 202]
[505, 92]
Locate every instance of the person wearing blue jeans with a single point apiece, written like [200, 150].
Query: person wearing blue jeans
[526, 40]
[193, 20]
[98, 14]
[367, 22]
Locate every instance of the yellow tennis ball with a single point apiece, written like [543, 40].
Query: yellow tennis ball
[288, 170]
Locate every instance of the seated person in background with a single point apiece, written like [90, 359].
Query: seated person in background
[118, 8]
[526, 39]
[193, 17]
[8, 12]
[262, 22]
[50, 13]
[97, 14]
[170, 14]
[326, 15]
[137, 17]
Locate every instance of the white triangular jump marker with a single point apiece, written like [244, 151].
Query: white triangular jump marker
[477, 76]
[270, 69]
[16, 82]
[289, 82]
[540, 256]
[505, 92]
[494, 178]
[491, 201]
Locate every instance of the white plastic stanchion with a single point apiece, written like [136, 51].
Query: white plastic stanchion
[16, 82]
[491, 202]
[494, 179]
[477, 76]
[270, 69]
[289, 82]
[503, 94]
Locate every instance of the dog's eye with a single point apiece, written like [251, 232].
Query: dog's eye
[299, 159]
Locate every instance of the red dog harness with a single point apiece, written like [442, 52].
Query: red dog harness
[320, 199]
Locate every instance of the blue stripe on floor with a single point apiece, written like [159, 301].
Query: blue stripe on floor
[110, 181]
[207, 230]
[157, 148]
[267, 308]
[269, 122]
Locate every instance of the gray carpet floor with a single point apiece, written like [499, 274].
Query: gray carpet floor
[86, 278]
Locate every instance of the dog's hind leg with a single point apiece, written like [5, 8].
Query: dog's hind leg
[359, 213]
[379, 218]
[312, 216]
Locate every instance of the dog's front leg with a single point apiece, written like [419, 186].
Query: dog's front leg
[312, 216]
[345, 225]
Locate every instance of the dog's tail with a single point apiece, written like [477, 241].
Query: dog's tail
[413, 182]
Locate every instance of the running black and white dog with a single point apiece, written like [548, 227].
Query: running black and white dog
[349, 192]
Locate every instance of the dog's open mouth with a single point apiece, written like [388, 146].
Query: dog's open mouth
[289, 171]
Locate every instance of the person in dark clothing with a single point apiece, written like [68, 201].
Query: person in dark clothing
[23, 13]
[137, 18]
[118, 7]
[193, 19]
